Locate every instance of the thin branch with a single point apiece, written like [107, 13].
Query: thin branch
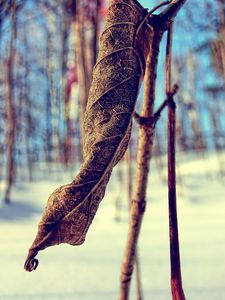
[168, 59]
[176, 278]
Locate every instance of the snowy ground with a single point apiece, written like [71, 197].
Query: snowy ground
[91, 271]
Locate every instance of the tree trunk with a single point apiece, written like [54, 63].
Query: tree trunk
[65, 90]
[82, 64]
[28, 116]
[192, 109]
[11, 115]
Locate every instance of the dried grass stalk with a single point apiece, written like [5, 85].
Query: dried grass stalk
[107, 125]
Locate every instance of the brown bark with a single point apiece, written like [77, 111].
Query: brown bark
[158, 24]
[10, 109]
[176, 280]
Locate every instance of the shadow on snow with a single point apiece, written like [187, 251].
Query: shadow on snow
[18, 210]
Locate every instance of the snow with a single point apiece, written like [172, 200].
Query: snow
[91, 271]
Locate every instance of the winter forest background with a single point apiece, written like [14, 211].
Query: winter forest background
[47, 53]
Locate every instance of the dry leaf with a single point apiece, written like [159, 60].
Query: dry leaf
[107, 125]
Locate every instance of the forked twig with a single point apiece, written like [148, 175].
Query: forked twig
[152, 120]
[146, 136]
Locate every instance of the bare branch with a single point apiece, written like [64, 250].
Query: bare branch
[176, 278]
[170, 12]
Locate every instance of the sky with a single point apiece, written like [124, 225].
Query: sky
[185, 38]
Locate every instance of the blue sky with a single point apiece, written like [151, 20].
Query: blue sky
[185, 38]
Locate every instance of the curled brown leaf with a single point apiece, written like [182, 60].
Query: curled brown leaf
[107, 125]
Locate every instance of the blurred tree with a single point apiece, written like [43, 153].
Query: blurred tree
[185, 75]
[11, 116]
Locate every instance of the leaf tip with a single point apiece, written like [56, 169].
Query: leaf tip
[31, 262]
